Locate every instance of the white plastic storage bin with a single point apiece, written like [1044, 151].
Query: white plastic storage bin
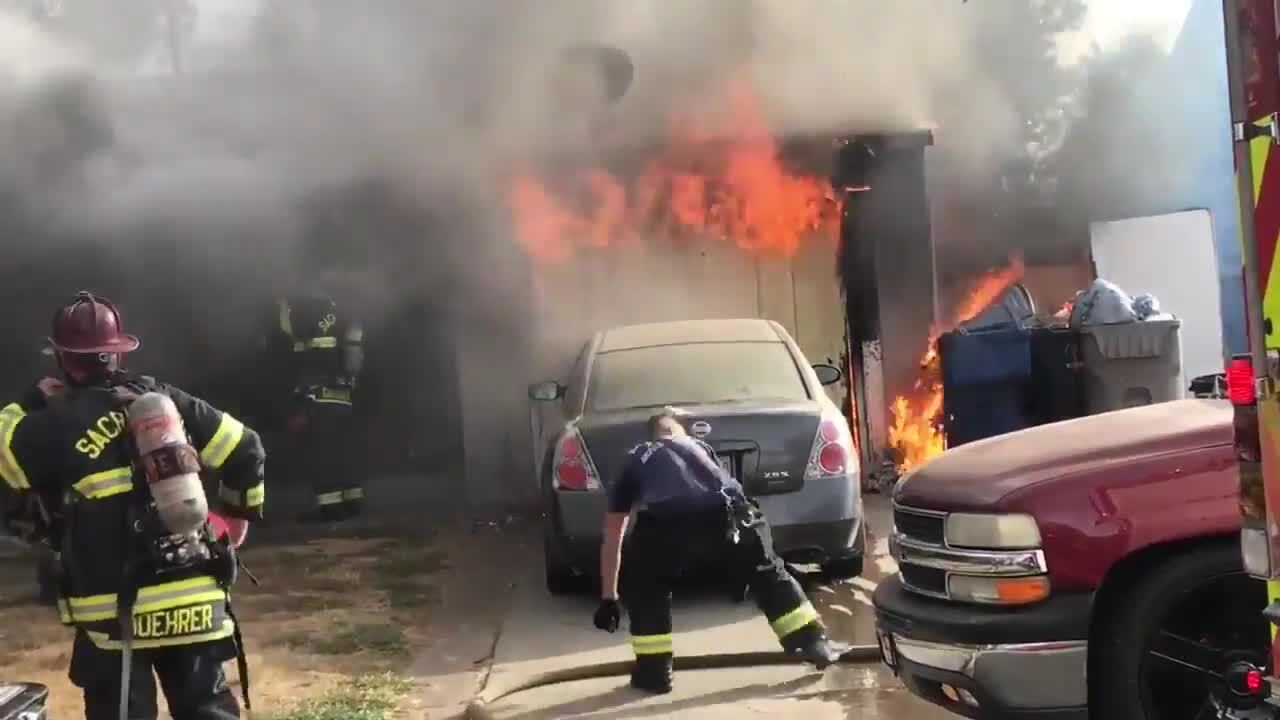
[1130, 364]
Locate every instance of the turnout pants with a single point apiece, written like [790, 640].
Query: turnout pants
[327, 455]
[663, 547]
[191, 678]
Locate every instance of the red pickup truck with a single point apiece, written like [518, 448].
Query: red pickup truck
[1088, 568]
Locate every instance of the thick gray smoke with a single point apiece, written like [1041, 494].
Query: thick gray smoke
[182, 160]
[277, 101]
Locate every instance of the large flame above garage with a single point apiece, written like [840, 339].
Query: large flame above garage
[718, 178]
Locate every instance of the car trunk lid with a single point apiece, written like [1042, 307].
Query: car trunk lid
[765, 444]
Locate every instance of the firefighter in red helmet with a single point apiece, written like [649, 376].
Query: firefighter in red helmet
[144, 602]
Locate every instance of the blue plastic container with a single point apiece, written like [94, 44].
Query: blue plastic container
[986, 380]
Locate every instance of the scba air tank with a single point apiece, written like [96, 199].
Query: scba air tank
[169, 463]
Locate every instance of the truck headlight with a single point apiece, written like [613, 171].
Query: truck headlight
[992, 532]
[998, 591]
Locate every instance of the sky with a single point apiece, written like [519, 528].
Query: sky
[1110, 21]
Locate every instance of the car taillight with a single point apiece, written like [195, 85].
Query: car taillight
[572, 468]
[832, 453]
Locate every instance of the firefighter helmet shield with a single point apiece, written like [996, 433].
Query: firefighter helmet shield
[90, 326]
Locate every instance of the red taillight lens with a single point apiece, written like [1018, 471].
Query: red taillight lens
[832, 459]
[572, 475]
[1240, 381]
[573, 469]
[829, 432]
[832, 452]
[1253, 681]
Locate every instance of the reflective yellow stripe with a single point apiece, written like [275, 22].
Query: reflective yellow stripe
[329, 498]
[104, 641]
[652, 644]
[320, 343]
[223, 442]
[1260, 153]
[353, 494]
[794, 620]
[106, 483]
[286, 317]
[253, 497]
[10, 470]
[91, 608]
[1259, 150]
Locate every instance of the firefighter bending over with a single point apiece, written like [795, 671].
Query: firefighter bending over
[99, 465]
[327, 349]
[691, 514]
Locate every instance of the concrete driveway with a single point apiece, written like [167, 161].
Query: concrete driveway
[543, 633]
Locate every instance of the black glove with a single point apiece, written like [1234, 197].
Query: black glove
[608, 616]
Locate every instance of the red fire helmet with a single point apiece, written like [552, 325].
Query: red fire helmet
[90, 326]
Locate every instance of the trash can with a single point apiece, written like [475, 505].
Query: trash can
[1130, 364]
[985, 380]
[1057, 389]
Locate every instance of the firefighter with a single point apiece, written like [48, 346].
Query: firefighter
[690, 513]
[325, 345]
[143, 602]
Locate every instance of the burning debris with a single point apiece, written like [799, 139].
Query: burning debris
[916, 434]
[709, 182]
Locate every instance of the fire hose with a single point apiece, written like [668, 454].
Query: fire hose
[477, 709]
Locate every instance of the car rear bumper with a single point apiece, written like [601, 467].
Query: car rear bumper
[1014, 664]
[819, 542]
[577, 521]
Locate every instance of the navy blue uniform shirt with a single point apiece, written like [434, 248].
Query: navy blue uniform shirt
[671, 476]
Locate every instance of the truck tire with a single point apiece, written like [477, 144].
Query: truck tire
[1123, 641]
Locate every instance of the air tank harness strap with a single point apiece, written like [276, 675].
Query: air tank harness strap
[224, 565]
[242, 660]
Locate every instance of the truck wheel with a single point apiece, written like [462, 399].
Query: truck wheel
[1177, 629]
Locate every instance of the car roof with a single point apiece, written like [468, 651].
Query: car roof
[684, 332]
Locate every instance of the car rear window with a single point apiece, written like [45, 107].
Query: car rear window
[694, 373]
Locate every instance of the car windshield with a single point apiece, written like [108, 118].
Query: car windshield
[694, 373]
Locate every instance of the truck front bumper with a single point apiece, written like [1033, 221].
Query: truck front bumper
[986, 662]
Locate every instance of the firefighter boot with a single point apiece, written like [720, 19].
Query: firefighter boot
[652, 674]
[810, 644]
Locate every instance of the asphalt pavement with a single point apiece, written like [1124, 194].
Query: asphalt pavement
[542, 633]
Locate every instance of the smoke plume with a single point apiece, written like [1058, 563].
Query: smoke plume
[181, 153]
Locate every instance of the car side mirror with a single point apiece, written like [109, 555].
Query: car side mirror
[546, 391]
[828, 374]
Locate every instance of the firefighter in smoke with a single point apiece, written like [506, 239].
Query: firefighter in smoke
[691, 513]
[324, 347]
[106, 467]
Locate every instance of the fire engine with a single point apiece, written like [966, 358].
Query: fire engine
[1253, 62]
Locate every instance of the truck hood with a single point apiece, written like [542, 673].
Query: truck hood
[978, 475]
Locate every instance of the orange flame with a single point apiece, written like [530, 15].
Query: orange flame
[915, 433]
[736, 190]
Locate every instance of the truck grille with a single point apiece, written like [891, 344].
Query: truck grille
[919, 526]
[923, 579]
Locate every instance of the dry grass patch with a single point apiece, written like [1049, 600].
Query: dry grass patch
[327, 632]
